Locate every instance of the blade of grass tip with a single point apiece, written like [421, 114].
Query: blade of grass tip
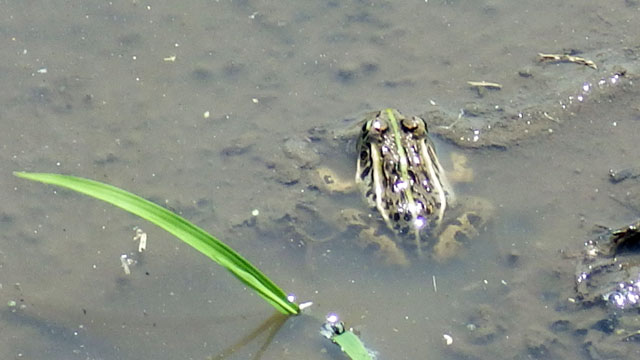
[351, 345]
[180, 228]
[349, 342]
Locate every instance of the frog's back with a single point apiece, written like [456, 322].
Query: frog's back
[399, 174]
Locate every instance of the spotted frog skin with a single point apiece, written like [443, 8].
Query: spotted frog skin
[400, 176]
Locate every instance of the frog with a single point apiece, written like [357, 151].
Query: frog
[413, 212]
[400, 177]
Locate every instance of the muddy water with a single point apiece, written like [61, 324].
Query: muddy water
[93, 90]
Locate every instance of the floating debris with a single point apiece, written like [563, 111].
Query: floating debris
[140, 236]
[305, 305]
[485, 84]
[125, 262]
[567, 58]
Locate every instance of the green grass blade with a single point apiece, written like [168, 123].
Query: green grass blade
[180, 228]
[351, 344]
[348, 341]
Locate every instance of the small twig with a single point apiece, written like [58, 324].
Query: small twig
[485, 84]
[568, 58]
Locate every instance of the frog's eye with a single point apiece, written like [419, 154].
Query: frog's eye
[379, 125]
[415, 124]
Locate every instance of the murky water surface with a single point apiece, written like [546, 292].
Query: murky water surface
[185, 103]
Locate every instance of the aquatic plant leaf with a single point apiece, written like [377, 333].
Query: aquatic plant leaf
[351, 345]
[349, 342]
[180, 228]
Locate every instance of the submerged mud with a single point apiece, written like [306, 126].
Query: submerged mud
[540, 106]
